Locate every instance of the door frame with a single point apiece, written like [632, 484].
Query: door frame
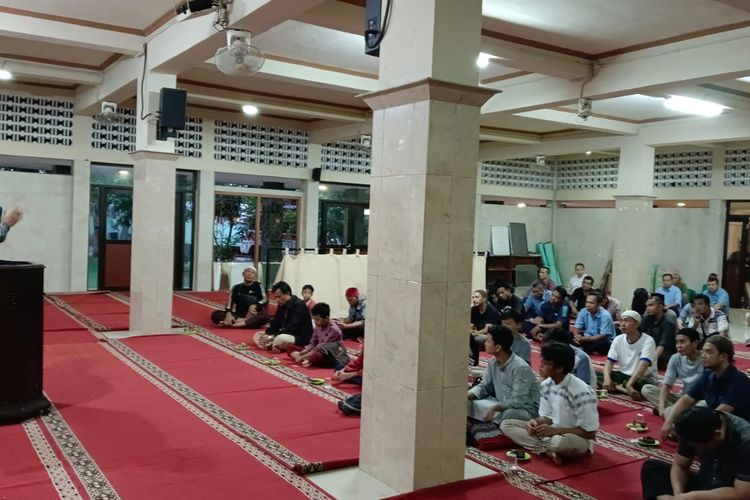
[738, 298]
[102, 236]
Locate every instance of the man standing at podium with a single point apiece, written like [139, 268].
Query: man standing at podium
[8, 220]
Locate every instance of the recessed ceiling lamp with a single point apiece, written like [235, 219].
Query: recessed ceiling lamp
[323, 187]
[123, 173]
[681, 204]
[521, 205]
[588, 153]
[366, 211]
[483, 60]
[692, 106]
[5, 74]
[250, 110]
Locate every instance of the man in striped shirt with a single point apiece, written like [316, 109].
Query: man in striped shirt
[568, 416]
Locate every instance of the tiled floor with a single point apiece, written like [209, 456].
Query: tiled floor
[353, 484]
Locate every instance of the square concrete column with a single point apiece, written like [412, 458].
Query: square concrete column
[79, 237]
[312, 198]
[634, 224]
[152, 254]
[422, 200]
[204, 231]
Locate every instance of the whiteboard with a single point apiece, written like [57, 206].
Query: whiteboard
[500, 240]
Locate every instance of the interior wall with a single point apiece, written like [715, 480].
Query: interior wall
[671, 238]
[538, 222]
[44, 234]
[584, 235]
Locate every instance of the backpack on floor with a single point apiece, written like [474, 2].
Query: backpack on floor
[351, 406]
[334, 354]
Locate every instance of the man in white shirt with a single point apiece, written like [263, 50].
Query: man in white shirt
[635, 355]
[568, 416]
[686, 365]
[707, 320]
[577, 279]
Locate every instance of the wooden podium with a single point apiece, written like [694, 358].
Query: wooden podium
[21, 335]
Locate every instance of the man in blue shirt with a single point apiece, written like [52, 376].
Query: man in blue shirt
[594, 329]
[718, 296]
[672, 294]
[722, 386]
[533, 302]
[552, 314]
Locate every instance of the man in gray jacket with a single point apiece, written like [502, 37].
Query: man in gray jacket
[509, 388]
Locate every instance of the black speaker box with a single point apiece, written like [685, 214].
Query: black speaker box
[316, 174]
[172, 108]
[21, 331]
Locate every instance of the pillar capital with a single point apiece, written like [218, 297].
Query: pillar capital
[429, 89]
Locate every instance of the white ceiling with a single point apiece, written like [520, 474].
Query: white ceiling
[598, 26]
[135, 14]
[329, 39]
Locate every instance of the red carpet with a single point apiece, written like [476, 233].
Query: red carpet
[297, 419]
[144, 442]
[494, 486]
[56, 319]
[618, 483]
[22, 474]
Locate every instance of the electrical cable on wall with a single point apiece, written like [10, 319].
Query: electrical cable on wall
[143, 78]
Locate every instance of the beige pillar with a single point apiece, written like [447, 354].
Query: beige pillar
[634, 226]
[204, 231]
[422, 197]
[79, 232]
[312, 198]
[152, 254]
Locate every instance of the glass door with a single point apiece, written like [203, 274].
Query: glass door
[343, 225]
[115, 234]
[737, 260]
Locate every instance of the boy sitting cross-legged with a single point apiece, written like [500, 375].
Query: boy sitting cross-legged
[325, 348]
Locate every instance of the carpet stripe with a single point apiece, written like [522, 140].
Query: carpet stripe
[61, 481]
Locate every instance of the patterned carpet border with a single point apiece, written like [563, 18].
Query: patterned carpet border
[61, 481]
[77, 315]
[200, 300]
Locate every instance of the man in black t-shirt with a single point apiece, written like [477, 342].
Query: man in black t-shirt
[483, 314]
[506, 301]
[577, 299]
[721, 443]
[243, 296]
[292, 323]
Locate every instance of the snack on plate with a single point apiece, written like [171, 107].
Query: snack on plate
[240, 347]
[634, 426]
[316, 381]
[272, 361]
[518, 454]
[648, 441]
[602, 394]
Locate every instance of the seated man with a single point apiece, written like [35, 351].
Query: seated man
[718, 297]
[506, 300]
[583, 367]
[683, 319]
[483, 315]
[536, 298]
[659, 327]
[721, 442]
[685, 365]
[521, 346]
[672, 294]
[542, 276]
[613, 307]
[594, 329]
[243, 295]
[552, 314]
[577, 279]
[722, 386]
[578, 297]
[509, 388]
[353, 326]
[568, 415]
[291, 325]
[706, 320]
[684, 290]
[635, 355]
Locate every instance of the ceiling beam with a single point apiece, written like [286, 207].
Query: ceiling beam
[328, 131]
[194, 40]
[714, 95]
[118, 84]
[339, 16]
[235, 100]
[508, 136]
[61, 74]
[71, 35]
[545, 62]
[682, 63]
[592, 123]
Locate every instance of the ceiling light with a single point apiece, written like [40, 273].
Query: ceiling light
[588, 153]
[323, 187]
[250, 110]
[693, 106]
[483, 60]
[123, 173]
[744, 79]
[681, 204]
[5, 74]
[521, 205]
[367, 211]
